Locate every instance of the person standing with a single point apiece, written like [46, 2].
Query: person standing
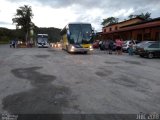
[106, 45]
[10, 44]
[110, 46]
[119, 46]
[130, 49]
[13, 43]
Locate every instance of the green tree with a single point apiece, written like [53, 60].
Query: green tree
[145, 16]
[23, 18]
[131, 16]
[109, 21]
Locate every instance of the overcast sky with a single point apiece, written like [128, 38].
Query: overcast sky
[57, 13]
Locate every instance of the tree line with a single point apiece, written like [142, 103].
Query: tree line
[24, 25]
[112, 20]
[8, 34]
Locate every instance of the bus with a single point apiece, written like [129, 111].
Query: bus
[77, 37]
[42, 40]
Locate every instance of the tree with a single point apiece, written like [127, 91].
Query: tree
[146, 16]
[131, 16]
[109, 21]
[23, 18]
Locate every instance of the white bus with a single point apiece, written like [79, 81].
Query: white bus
[42, 40]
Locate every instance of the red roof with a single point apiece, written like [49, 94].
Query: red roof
[138, 26]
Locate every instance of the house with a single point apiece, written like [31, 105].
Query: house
[133, 29]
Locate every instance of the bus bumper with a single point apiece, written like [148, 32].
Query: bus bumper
[81, 49]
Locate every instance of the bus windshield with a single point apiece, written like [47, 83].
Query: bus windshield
[42, 38]
[80, 33]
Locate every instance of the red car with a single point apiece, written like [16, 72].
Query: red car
[96, 44]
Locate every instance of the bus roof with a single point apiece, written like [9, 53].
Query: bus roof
[75, 23]
[78, 23]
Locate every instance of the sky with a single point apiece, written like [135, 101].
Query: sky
[58, 13]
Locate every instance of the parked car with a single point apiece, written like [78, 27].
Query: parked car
[138, 46]
[96, 44]
[103, 45]
[150, 50]
[126, 44]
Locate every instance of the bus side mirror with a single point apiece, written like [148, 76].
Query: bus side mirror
[68, 32]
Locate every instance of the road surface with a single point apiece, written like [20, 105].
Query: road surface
[51, 81]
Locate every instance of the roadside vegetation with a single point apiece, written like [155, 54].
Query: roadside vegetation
[26, 29]
[112, 20]
[8, 34]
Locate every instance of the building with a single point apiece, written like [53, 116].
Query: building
[133, 29]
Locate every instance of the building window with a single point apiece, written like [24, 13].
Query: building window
[116, 28]
[157, 37]
[104, 30]
[110, 29]
[147, 36]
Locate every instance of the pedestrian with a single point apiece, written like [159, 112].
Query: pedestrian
[106, 45]
[119, 46]
[110, 46]
[10, 44]
[13, 43]
[130, 49]
[100, 45]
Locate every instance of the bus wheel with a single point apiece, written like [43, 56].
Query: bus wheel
[67, 49]
[85, 52]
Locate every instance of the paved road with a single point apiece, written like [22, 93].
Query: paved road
[49, 80]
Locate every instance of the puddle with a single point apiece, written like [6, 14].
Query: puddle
[44, 98]
[37, 101]
[103, 72]
[133, 62]
[51, 50]
[125, 81]
[42, 56]
[36, 78]
[108, 62]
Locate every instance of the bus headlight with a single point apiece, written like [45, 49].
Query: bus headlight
[72, 48]
[90, 47]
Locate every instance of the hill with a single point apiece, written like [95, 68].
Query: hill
[53, 33]
[7, 34]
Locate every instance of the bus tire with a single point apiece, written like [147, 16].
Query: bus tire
[67, 48]
[85, 52]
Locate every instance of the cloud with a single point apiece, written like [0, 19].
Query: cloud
[103, 4]
[57, 13]
[4, 23]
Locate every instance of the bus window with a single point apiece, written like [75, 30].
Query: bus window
[86, 33]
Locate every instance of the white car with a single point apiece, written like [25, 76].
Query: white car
[126, 44]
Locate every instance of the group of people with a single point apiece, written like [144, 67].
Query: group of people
[111, 45]
[116, 46]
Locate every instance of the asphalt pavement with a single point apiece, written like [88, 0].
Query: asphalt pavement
[52, 81]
